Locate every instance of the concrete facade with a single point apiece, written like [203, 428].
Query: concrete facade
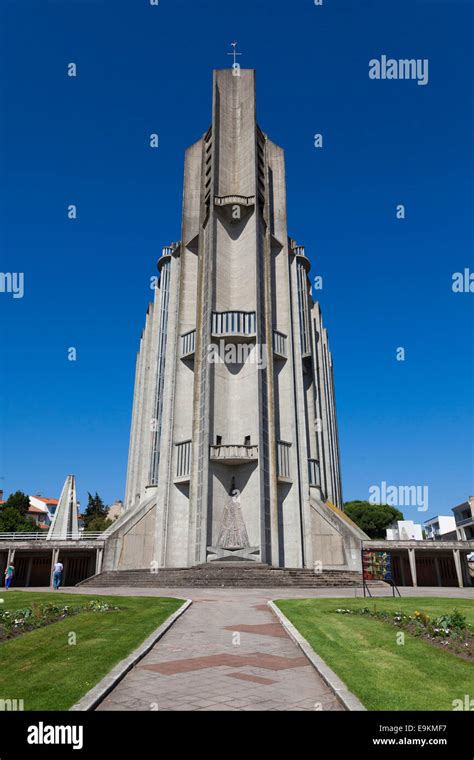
[464, 519]
[234, 450]
[428, 563]
[34, 559]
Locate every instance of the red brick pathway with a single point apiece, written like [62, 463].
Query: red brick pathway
[225, 653]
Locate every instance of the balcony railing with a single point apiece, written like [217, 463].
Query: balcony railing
[233, 323]
[232, 200]
[183, 461]
[166, 253]
[234, 454]
[188, 344]
[279, 344]
[43, 536]
[465, 521]
[283, 452]
[299, 251]
[314, 473]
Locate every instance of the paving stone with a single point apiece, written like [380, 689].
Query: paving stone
[265, 629]
[248, 677]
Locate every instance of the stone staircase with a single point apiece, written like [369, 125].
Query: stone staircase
[228, 575]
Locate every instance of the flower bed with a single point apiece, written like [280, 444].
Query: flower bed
[15, 622]
[450, 631]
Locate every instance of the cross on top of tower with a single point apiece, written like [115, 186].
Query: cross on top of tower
[234, 53]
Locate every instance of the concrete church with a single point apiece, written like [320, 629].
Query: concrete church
[234, 451]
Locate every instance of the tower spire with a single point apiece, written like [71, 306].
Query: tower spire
[65, 524]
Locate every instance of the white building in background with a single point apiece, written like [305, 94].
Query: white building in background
[464, 518]
[433, 530]
[41, 511]
[404, 530]
[115, 510]
[439, 526]
[234, 450]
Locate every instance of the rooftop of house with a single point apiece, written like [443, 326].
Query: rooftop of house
[43, 509]
[438, 517]
[468, 503]
[37, 510]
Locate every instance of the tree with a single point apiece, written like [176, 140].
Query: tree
[98, 524]
[19, 501]
[96, 512]
[13, 514]
[373, 519]
[12, 521]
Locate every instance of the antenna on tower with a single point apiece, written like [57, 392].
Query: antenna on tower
[235, 65]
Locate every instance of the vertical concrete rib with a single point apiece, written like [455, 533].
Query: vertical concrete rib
[322, 406]
[337, 473]
[200, 452]
[134, 494]
[317, 390]
[151, 380]
[300, 426]
[273, 548]
[133, 439]
[166, 438]
[144, 421]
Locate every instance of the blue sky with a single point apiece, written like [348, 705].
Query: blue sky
[387, 282]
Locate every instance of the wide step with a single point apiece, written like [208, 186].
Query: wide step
[222, 576]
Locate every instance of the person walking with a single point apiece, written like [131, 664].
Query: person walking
[9, 573]
[57, 573]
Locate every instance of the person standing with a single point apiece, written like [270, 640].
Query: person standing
[9, 573]
[57, 573]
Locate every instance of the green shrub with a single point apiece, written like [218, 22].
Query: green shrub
[37, 615]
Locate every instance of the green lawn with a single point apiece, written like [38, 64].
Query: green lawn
[365, 655]
[47, 672]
